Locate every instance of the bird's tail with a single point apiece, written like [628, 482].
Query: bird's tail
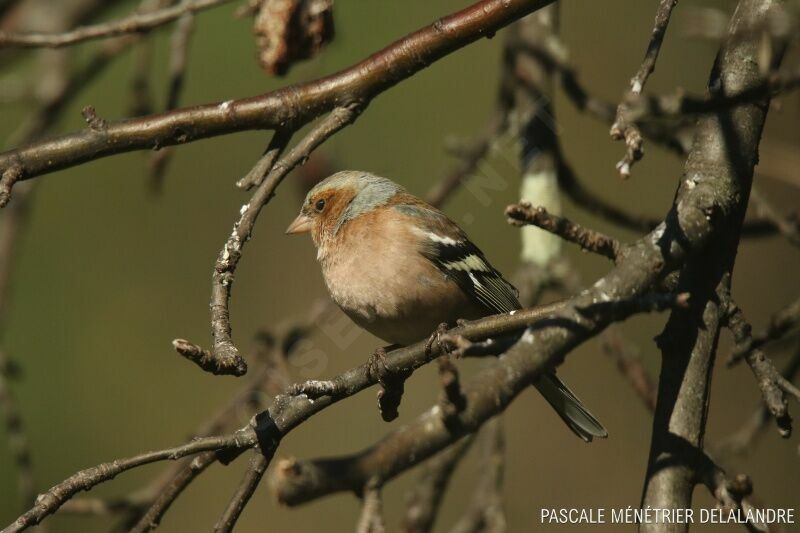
[570, 408]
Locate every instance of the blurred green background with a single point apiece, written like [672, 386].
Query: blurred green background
[108, 274]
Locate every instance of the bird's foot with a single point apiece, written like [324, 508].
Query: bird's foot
[436, 337]
[392, 384]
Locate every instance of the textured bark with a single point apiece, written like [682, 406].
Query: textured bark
[720, 164]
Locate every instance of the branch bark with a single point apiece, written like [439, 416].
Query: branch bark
[721, 163]
[296, 105]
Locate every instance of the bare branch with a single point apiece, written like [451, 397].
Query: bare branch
[173, 488]
[782, 322]
[179, 53]
[49, 502]
[135, 23]
[225, 354]
[593, 241]
[623, 127]
[485, 512]
[371, 519]
[788, 226]
[763, 369]
[275, 148]
[721, 163]
[255, 471]
[630, 366]
[294, 105]
[424, 500]
[271, 375]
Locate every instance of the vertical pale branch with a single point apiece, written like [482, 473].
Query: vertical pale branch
[720, 163]
[538, 144]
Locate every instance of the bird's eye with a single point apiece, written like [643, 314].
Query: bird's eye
[320, 205]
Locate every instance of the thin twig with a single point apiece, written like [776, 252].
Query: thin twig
[590, 240]
[623, 127]
[788, 226]
[424, 500]
[277, 144]
[179, 54]
[629, 363]
[135, 23]
[172, 489]
[485, 512]
[49, 502]
[371, 519]
[271, 375]
[781, 323]
[298, 104]
[742, 440]
[255, 471]
[225, 356]
[763, 369]
[452, 400]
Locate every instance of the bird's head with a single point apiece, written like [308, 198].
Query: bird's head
[339, 199]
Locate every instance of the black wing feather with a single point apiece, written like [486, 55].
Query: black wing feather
[448, 248]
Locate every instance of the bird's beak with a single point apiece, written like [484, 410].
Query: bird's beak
[302, 224]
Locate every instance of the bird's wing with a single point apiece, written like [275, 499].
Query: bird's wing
[450, 250]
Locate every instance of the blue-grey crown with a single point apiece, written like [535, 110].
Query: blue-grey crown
[370, 191]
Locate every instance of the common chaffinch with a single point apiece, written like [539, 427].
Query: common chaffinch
[399, 267]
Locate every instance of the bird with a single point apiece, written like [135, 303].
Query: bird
[399, 267]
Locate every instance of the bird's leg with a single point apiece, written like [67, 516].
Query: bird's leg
[436, 337]
[392, 383]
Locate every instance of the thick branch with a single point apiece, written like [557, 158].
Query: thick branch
[295, 105]
[721, 165]
[541, 347]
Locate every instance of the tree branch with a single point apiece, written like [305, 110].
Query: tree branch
[424, 500]
[255, 471]
[51, 500]
[623, 127]
[295, 105]
[720, 164]
[135, 23]
[593, 241]
[225, 358]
